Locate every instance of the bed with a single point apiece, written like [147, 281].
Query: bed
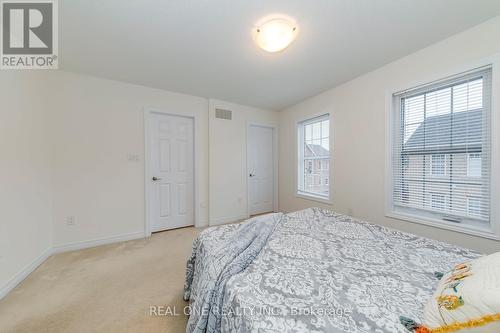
[311, 271]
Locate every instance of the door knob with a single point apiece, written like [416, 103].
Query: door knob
[156, 179]
[252, 175]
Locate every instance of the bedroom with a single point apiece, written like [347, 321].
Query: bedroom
[384, 112]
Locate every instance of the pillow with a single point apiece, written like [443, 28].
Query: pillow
[466, 300]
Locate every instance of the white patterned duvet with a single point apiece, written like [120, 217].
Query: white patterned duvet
[318, 271]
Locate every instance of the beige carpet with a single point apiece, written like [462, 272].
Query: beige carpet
[104, 289]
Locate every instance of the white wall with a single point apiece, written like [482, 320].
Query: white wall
[25, 184]
[65, 141]
[359, 131]
[96, 124]
[228, 160]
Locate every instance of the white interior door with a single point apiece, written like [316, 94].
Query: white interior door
[261, 170]
[171, 203]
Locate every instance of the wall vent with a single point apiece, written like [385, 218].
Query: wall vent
[223, 114]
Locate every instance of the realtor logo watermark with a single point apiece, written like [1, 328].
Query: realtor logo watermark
[29, 34]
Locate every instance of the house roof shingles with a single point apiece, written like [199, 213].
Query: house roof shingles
[454, 132]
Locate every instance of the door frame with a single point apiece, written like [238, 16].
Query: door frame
[148, 112]
[275, 163]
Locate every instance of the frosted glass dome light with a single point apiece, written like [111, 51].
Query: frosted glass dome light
[275, 35]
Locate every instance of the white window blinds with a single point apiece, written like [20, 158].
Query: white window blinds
[441, 157]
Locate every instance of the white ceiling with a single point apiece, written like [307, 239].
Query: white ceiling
[205, 47]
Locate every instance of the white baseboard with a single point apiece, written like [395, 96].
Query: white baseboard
[202, 224]
[23, 274]
[97, 242]
[224, 220]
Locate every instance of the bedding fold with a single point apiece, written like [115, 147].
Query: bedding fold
[218, 254]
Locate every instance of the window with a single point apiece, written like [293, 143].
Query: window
[437, 201]
[441, 152]
[314, 157]
[474, 206]
[438, 167]
[309, 167]
[474, 165]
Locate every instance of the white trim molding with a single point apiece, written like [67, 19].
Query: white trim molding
[469, 230]
[312, 197]
[228, 219]
[97, 242]
[24, 273]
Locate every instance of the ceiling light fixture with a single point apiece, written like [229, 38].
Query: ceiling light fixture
[275, 35]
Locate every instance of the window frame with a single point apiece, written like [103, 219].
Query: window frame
[300, 167]
[392, 108]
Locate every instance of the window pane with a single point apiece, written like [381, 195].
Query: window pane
[438, 102]
[308, 167]
[325, 129]
[438, 167]
[474, 206]
[437, 201]
[308, 152]
[308, 133]
[414, 110]
[316, 131]
[468, 96]
[317, 147]
[325, 144]
[474, 165]
[315, 157]
[409, 130]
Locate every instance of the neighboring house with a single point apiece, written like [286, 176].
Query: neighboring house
[317, 169]
[442, 158]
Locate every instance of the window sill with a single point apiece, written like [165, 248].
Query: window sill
[313, 198]
[464, 229]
